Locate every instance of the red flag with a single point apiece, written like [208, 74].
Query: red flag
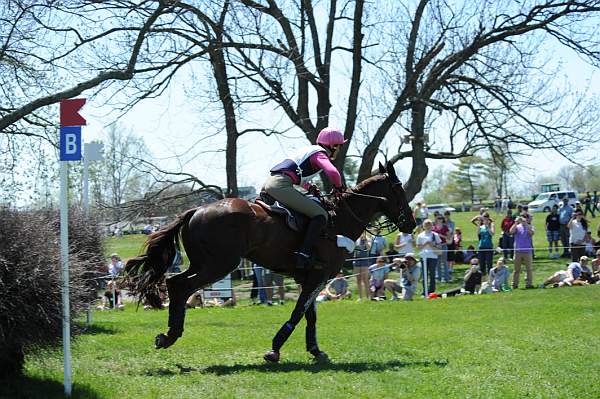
[69, 112]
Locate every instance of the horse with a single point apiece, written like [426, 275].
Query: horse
[217, 236]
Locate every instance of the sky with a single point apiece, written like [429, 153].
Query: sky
[170, 123]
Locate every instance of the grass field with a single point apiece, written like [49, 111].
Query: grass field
[527, 343]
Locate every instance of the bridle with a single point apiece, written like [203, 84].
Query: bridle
[372, 227]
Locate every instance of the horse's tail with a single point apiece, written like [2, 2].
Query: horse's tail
[146, 272]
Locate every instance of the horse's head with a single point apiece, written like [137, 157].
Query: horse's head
[396, 207]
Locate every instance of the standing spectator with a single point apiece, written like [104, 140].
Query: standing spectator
[506, 239]
[498, 205]
[391, 253]
[428, 242]
[379, 272]
[504, 204]
[404, 243]
[440, 227]
[577, 228]
[588, 203]
[498, 278]
[377, 247]
[409, 278]
[565, 212]
[420, 213]
[115, 266]
[553, 232]
[451, 254]
[361, 266]
[595, 203]
[259, 274]
[523, 233]
[578, 206]
[485, 233]
[510, 204]
[270, 279]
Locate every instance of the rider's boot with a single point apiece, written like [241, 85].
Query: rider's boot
[304, 256]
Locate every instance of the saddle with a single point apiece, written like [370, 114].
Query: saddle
[293, 219]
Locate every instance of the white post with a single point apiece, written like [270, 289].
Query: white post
[425, 277]
[64, 257]
[86, 204]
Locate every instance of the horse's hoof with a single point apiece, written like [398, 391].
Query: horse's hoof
[320, 357]
[271, 356]
[161, 341]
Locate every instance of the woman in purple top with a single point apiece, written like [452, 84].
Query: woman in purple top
[522, 232]
[298, 169]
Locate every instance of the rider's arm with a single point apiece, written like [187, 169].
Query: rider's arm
[321, 160]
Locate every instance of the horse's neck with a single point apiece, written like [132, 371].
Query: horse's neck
[354, 215]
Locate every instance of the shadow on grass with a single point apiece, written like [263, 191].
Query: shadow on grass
[30, 387]
[287, 367]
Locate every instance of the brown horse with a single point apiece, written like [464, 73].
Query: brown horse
[216, 236]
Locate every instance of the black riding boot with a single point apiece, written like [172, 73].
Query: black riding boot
[304, 256]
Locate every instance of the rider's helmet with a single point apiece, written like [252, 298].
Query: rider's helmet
[330, 136]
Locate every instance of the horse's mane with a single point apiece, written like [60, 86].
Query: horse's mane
[368, 181]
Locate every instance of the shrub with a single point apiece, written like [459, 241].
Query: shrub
[30, 280]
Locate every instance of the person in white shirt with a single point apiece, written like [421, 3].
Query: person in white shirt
[428, 243]
[404, 243]
[577, 229]
[115, 266]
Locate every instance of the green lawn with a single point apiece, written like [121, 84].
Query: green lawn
[528, 343]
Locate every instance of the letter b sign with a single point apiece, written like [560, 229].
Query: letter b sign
[70, 143]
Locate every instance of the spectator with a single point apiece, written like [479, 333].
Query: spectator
[578, 206]
[147, 229]
[596, 267]
[577, 228]
[409, 278]
[270, 278]
[259, 274]
[176, 264]
[440, 227]
[511, 204]
[451, 254]
[473, 276]
[112, 297]
[377, 247]
[428, 242]
[391, 253]
[420, 213]
[498, 278]
[336, 289]
[507, 239]
[469, 254]
[115, 266]
[504, 204]
[553, 232]
[485, 233]
[570, 276]
[404, 243]
[476, 220]
[565, 212]
[595, 202]
[523, 233]
[589, 244]
[379, 272]
[361, 266]
[589, 206]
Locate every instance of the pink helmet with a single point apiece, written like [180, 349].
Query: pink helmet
[330, 136]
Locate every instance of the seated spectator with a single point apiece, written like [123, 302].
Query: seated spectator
[115, 266]
[472, 281]
[407, 284]
[568, 277]
[379, 272]
[469, 254]
[197, 300]
[473, 277]
[336, 289]
[596, 267]
[498, 278]
[112, 297]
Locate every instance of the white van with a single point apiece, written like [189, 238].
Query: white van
[545, 201]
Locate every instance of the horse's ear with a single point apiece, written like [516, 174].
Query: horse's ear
[381, 168]
[392, 172]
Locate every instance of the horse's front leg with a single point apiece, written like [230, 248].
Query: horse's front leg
[310, 289]
[311, 334]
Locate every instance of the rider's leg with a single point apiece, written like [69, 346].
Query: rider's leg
[304, 255]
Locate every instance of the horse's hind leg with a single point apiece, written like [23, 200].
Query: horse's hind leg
[310, 289]
[180, 287]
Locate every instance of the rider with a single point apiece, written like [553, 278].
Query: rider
[298, 169]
